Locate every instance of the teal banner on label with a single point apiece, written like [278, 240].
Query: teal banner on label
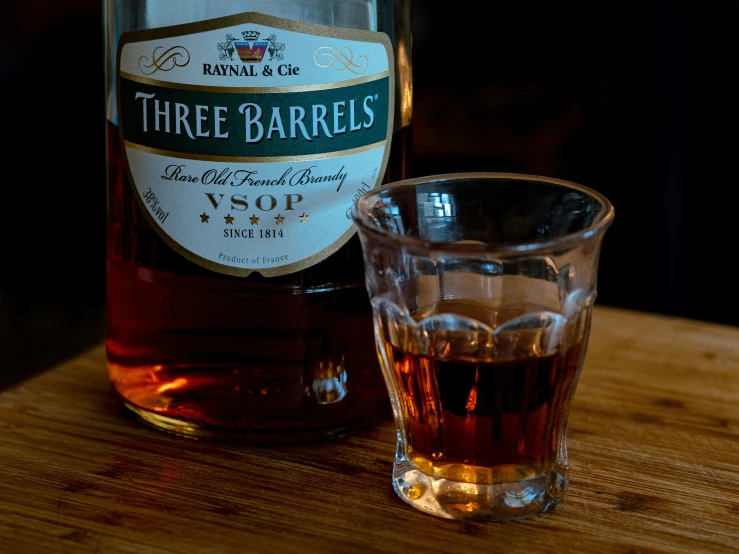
[246, 124]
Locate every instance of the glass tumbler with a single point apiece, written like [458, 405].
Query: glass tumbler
[482, 287]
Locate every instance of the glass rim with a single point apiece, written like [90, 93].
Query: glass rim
[597, 227]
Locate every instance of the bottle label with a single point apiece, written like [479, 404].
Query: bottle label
[249, 137]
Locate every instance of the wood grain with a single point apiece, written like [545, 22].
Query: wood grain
[653, 440]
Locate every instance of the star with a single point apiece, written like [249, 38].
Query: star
[254, 220]
[204, 217]
[229, 219]
[304, 218]
[279, 220]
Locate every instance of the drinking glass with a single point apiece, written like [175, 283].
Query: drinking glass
[482, 287]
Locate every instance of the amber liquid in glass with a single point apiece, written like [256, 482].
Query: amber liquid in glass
[484, 420]
[205, 354]
[486, 414]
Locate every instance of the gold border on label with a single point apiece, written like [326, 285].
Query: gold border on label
[277, 23]
[255, 159]
[254, 90]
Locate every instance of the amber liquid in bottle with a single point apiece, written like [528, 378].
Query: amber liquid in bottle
[205, 354]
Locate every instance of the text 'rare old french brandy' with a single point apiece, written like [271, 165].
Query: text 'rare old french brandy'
[240, 132]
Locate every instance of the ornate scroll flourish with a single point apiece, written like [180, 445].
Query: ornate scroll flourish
[166, 61]
[340, 62]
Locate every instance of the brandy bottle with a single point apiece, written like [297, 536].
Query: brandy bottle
[238, 135]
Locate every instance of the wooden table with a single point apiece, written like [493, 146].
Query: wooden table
[654, 452]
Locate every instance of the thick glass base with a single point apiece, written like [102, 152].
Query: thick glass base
[256, 437]
[492, 501]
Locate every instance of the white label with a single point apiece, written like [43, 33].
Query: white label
[249, 137]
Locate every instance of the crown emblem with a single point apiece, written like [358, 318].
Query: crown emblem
[250, 35]
[251, 49]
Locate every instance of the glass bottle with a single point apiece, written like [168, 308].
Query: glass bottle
[239, 132]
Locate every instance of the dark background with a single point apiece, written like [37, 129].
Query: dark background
[632, 99]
